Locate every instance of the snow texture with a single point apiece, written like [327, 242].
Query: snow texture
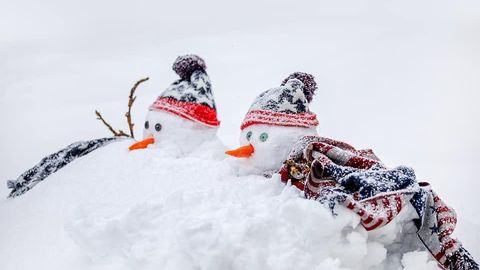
[126, 210]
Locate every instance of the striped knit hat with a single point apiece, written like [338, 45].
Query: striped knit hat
[286, 105]
[191, 96]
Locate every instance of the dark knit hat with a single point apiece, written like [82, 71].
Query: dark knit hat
[191, 96]
[286, 105]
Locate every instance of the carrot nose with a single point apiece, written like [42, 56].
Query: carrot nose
[142, 144]
[242, 152]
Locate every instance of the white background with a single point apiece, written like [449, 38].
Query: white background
[400, 77]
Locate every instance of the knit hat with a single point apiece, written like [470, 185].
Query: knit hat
[286, 105]
[191, 96]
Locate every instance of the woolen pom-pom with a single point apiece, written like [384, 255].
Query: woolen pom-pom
[185, 65]
[308, 81]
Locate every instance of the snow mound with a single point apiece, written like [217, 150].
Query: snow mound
[115, 209]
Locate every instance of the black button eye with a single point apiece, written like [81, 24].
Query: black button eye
[158, 127]
[147, 125]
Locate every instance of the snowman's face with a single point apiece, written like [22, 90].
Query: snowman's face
[270, 144]
[169, 131]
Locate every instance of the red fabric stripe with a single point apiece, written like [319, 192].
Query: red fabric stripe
[448, 245]
[279, 119]
[374, 226]
[323, 148]
[386, 204]
[360, 162]
[328, 183]
[350, 205]
[439, 255]
[284, 174]
[442, 209]
[368, 219]
[442, 260]
[314, 184]
[188, 110]
[446, 232]
[398, 200]
[339, 144]
[299, 185]
[361, 212]
[451, 220]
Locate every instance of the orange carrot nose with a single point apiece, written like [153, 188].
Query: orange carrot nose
[242, 152]
[142, 144]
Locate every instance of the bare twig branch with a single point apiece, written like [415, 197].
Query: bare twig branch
[128, 114]
[131, 100]
[119, 133]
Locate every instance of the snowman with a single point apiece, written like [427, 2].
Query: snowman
[183, 119]
[276, 120]
[279, 135]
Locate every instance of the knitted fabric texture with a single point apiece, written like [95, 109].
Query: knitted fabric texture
[286, 105]
[191, 96]
[54, 162]
[333, 172]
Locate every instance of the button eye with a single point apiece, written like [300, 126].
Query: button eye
[147, 125]
[158, 127]
[263, 137]
[249, 135]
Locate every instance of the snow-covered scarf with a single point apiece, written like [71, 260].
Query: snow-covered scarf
[54, 162]
[334, 172]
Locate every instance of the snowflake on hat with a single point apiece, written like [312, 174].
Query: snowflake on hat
[277, 118]
[286, 105]
[194, 84]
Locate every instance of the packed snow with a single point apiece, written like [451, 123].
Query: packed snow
[116, 209]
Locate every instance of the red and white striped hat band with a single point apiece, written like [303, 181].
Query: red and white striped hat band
[265, 117]
[189, 110]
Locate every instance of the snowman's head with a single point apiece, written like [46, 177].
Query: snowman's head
[184, 115]
[277, 118]
[174, 133]
[265, 147]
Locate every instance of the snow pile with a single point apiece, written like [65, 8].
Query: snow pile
[145, 209]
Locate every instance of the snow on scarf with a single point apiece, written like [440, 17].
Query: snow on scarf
[334, 172]
[54, 162]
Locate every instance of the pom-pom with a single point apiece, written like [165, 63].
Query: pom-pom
[309, 83]
[185, 65]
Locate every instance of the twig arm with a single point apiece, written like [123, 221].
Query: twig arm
[131, 100]
[119, 133]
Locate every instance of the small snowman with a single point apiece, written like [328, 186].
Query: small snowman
[276, 120]
[183, 119]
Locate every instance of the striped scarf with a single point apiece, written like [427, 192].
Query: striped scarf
[333, 172]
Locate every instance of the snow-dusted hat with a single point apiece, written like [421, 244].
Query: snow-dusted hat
[191, 96]
[286, 105]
